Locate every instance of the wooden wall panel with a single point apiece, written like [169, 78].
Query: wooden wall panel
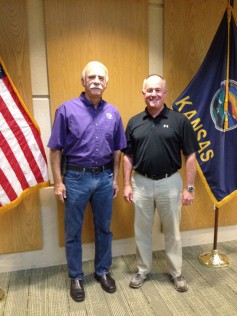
[189, 28]
[20, 228]
[115, 33]
[14, 46]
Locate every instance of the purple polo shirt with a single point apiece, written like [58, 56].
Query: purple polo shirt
[87, 136]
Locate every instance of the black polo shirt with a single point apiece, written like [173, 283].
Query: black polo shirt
[157, 143]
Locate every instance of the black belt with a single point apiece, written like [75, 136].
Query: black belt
[156, 177]
[89, 169]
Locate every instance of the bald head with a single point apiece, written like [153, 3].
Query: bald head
[153, 78]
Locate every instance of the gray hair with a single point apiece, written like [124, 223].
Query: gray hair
[155, 75]
[83, 75]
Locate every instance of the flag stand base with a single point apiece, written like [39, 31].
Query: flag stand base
[214, 259]
[2, 293]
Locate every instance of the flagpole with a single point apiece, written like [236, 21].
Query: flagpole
[2, 293]
[214, 259]
[226, 123]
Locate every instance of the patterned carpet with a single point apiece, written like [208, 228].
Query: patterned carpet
[45, 291]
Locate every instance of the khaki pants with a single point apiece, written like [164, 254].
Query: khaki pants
[165, 196]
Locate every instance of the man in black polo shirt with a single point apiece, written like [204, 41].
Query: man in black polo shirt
[156, 139]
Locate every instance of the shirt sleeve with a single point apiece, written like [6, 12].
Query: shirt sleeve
[128, 150]
[58, 134]
[190, 143]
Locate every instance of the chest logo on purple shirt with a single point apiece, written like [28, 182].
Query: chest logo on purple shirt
[109, 116]
[166, 126]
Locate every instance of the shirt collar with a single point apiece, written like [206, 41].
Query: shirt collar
[164, 112]
[88, 103]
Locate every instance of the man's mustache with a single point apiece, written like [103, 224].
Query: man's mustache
[95, 86]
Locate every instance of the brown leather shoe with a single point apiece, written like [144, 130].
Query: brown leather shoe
[77, 290]
[107, 282]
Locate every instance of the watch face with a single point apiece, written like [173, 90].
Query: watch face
[190, 188]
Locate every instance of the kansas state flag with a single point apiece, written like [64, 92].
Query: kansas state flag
[210, 103]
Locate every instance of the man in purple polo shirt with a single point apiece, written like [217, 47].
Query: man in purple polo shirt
[85, 144]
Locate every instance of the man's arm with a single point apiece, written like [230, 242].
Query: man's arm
[190, 172]
[117, 159]
[55, 161]
[127, 171]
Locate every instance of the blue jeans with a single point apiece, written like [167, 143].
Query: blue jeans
[84, 187]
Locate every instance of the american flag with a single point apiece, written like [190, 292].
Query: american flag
[23, 163]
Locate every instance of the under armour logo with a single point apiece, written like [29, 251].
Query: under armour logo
[166, 126]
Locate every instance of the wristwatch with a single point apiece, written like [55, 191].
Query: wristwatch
[190, 188]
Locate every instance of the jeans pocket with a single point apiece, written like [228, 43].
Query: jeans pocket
[109, 172]
[72, 174]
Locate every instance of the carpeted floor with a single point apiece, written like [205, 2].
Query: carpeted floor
[45, 291]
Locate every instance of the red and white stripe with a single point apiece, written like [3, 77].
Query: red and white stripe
[23, 162]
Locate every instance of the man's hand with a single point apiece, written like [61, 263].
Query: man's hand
[128, 194]
[116, 189]
[187, 197]
[60, 192]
